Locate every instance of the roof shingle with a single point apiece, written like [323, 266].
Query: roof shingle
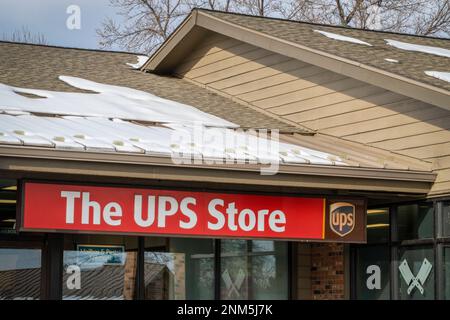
[38, 67]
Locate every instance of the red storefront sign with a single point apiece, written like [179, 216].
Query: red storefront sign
[122, 210]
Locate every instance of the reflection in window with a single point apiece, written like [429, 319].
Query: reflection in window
[20, 274]
[378, 225]
[234, 269]
[99, 275]
[415, 221]
[253, 269]
[186, 272]
[416, 273]
[447, 273]
[446, 218]
[99, 267]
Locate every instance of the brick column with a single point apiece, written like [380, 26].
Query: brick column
[129, 275]
[327, 271]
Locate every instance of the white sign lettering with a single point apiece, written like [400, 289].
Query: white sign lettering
[163, 208]
[374, 280]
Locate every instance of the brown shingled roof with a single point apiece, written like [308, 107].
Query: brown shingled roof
[38, 67]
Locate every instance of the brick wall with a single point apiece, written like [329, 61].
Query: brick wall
[327, 271]
[304, 287]
[320, 271]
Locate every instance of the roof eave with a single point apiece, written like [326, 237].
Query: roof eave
[34, 159]
[161, 61]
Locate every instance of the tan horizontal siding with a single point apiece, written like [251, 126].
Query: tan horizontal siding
[214, 57]
[210, 53]
[243, 83]
[260, 59]
[435, 150]
[354, 111]
[415, 141]
[395, 132]
[226, 61]
[293, 95]
[368, 127]
[441, 162]
[322, 100]
[440, 188]
[326, 99]
[443, 176]
[270, 86]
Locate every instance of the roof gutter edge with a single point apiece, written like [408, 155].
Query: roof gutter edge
[164, 161]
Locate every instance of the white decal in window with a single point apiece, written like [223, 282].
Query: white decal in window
[233, 286]
[74, 280]
[374, 280]
[415, 281]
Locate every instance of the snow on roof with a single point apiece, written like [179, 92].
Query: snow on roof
[445, 76]
[110, 102]
[141, 61]
[116, 119]
[419, 48]
[114, 135]
[342, 38]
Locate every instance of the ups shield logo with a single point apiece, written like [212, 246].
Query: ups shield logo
[342, 218]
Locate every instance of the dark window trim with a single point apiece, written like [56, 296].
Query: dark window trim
[140, 274]
[217, 268]
[52, 287]
[438, 242]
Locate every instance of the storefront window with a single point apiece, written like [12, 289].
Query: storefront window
[20, 274]
[99, 268]
[269, 260]
[416, 273]
[372, 273]
[415, 221]
[447, 273]
[186, 272]
[378, 225]
[253, 269]
[234, 269]
[446, 219]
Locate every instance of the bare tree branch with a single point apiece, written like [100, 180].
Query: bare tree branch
[147, 23]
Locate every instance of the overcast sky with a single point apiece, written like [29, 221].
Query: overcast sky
[49, 18]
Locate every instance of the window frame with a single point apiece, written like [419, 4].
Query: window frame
[438, 242]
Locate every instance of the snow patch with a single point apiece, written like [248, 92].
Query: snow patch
[391, 60]
[108, 102]
[418, 48]
[106, 135]
[342, 38]
[141, 61]
[102, 122]
[445, 76]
